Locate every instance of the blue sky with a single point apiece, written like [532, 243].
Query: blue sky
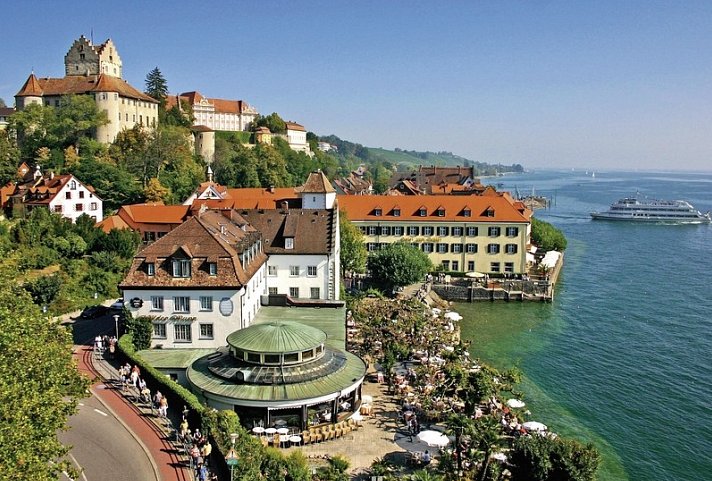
[594, 85]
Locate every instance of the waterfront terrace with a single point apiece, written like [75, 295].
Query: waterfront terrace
[488, 233]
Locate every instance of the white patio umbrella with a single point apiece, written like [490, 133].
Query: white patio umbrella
[367, 399]
[436, 310]
[501, 457]
[534, 426]
[453, 316]
[433, 438]
[515, 403]
[475, 275]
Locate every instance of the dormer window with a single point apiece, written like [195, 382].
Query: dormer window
[441, 212]
[489, 212]
[377, 212]
[422, 212]
[467, 213]
[289, 242]
[151, 269]
[73, 185]
[396, 212]
[213, 268]
[181, 268]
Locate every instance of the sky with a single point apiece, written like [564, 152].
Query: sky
[591, 85]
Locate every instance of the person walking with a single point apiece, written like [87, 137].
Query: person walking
[163, 407]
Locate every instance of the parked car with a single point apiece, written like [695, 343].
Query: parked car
[118, 305]
[92, 312]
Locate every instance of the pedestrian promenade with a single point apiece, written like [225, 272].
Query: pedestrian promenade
[155, 434]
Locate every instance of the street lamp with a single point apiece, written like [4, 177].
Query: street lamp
[231, 456]
[116, 323]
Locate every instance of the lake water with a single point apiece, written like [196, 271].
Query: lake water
[622, 356]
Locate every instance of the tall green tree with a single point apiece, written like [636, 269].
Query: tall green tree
[271, 167]
[273, 122]
[353, 251]
[9, 158]
[39, 387]
[398, 264]
[156, 85]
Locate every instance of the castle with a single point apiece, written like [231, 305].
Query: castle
[94, 70]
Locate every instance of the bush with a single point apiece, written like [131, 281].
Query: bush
[547, 237]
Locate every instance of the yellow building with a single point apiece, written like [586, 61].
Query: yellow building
[486, 233]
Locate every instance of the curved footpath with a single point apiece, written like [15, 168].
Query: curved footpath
[169, 462]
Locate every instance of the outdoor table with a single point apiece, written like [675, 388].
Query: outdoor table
[295, 440]
[259, 430]
[270, 430]
[283, 439]
[282, 431]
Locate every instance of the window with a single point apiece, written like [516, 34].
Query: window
[385, 230]
[181, 267]
[372, 230]
[489, 213]
[512, 231]
[511, 248]
[68, 195]
[289, 243]
[456, 248]
[81, 194]
[428, 230]
[493, 248]
[493, 231]
[272, 290]
[413, 230]
[156, 303]
[315, 293]
[206, 303]
[470, 265]
[293, 271]
[79, 207]
[253, 357]
[442, 248]
[377, 211]
[182, 332]
[272, 358]
[472, 231]
[371, 246]
[151, 269]
[427, 247]
[446, 265]
[455, 266]
[398, 231]
[441, 212]
[93, 206]
[311, 271]
[58, 208]
[509, 267]
[467, 213]
[422, 212]
[181, 304]
[294, 292]
[206, 331]
[457, 231]
[213, 268]
[396, 212]
[271, 271]
[471, 248]
[494, 266]
[443, 231]
[159, 330]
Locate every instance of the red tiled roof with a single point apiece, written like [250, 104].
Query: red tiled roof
[6, 111]
[294, 126]
[361, 208]
[310, 229]
[113, 222]
[208, 237]
[153, 214]
[81, 84]
[317, 182]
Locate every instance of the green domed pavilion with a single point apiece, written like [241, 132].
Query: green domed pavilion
[281, 372]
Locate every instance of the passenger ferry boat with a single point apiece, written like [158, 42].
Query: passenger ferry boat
[635, 210]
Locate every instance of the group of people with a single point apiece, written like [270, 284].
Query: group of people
[199, 448]
[105, 343]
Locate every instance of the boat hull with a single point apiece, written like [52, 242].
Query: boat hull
[649, 219]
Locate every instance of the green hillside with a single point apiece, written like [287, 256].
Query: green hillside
[409, 159]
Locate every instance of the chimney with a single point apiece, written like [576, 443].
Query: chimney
[271, 189]
[284, 205]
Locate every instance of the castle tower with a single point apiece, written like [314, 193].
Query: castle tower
[84, 58]
[30, 93]
[317, 192]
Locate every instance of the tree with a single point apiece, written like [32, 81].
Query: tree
[272, 121]
[353, 251]
[543, 458]
[141, 330]
[44, 289]
[398, 264]
[156, 85]
[155, 192]
[546, 236]
[39, 387]
[9, 158]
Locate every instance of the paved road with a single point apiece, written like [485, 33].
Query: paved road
[103, 447]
